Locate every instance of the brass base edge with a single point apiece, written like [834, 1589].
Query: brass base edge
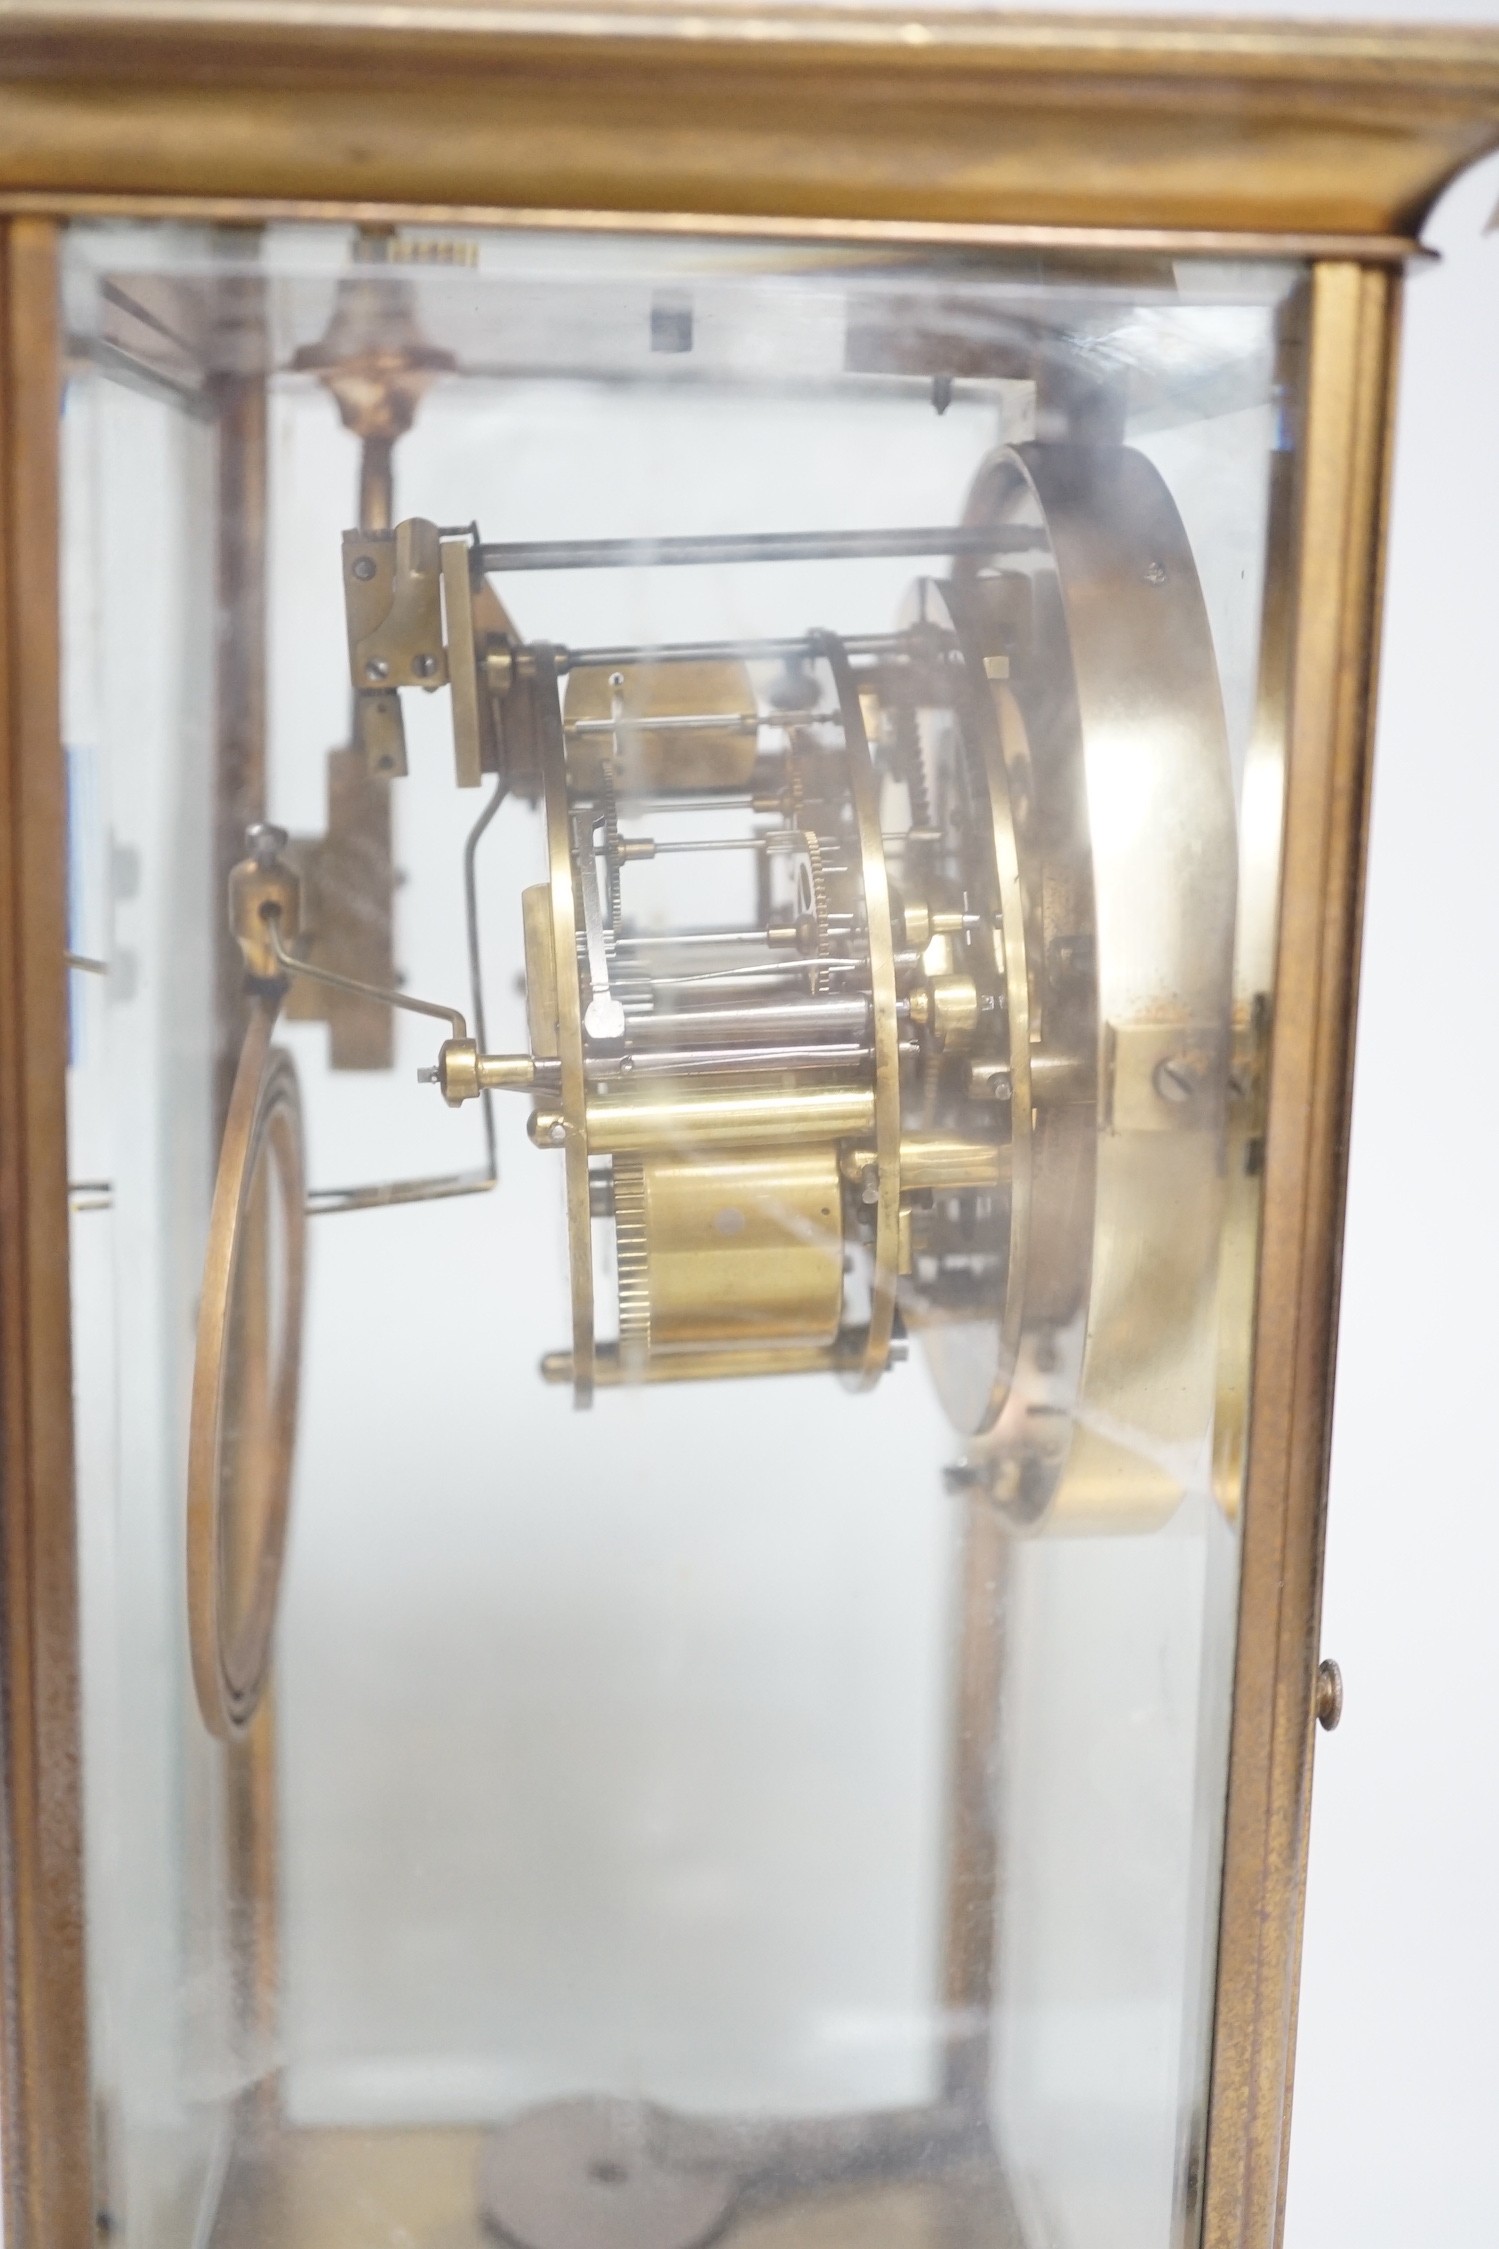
[45, 2092]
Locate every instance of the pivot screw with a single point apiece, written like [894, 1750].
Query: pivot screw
[424, 666]
[377, 668]
[265, 843]
[364, 568]
[1329, 1694]
[1175, 1079]
[990, 1081]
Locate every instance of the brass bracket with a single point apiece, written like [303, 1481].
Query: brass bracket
[263, 879]
[348, 889]
[392, 591]
[393, 605]
[1164, 1077]
[419, 616]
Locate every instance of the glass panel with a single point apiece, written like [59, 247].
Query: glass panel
[694, 822]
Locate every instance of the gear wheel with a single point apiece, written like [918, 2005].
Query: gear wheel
[817, 904]
[612, 856]
[910, 764]
[632, 1260]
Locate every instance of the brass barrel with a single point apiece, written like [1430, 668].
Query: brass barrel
[743, 1247]
[621, 1126]
[940, 1161]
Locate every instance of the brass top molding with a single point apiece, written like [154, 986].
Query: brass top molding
[1192, 45]
[821, 113]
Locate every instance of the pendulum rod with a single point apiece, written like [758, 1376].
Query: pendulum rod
[753, 546]
[905, 643]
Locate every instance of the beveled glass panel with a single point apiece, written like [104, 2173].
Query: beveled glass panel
[737, 784]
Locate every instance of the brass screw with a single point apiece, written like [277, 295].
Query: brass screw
[1174, 1079]
[265, 843]
[1329, 1694]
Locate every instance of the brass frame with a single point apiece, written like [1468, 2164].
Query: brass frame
[744, 111]
[1335, 610]
[47, 2105]
[959, 130]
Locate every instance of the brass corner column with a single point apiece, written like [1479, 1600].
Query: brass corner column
[1337, 570]
[47, 2153]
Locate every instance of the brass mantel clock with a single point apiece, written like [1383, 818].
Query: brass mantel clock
[685, 741]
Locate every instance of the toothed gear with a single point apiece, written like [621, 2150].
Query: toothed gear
[632, 1259]
[911, 761]
[611, 849]
[819, 886]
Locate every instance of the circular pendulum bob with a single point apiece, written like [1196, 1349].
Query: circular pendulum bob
[246, 1373]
